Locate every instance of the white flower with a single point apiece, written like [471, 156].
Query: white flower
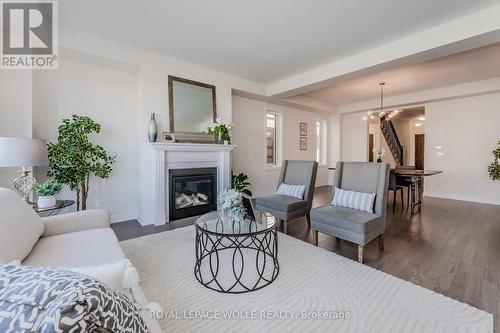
[379, 152]
[231, 200]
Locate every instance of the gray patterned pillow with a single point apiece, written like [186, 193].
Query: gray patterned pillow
[41, 299]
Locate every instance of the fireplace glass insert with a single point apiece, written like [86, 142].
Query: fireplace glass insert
[192, 192]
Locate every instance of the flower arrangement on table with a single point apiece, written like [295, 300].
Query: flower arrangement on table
[231, 202]
[379, 152]
[221, 129]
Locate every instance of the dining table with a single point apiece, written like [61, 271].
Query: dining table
[416, 185]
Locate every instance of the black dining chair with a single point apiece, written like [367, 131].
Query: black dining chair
[405, 182]
[393, 186]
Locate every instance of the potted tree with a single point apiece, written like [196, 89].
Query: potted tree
[46, 193]
[73, 158]
[494, 167]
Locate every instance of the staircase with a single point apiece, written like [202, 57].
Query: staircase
[392, 139]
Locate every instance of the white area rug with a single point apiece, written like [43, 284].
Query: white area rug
[312, 282]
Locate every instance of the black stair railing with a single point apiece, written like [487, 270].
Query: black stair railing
[392, 139]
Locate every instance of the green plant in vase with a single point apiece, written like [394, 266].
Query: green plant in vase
[46, 193]
[221, 130]
[73, 158]
[239, 183]
[494, 167]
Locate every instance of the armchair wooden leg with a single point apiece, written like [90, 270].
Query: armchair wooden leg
[394, 202]
[381, 242]
[308, 218]
[315, 232]
[337, 242]
[285, 227]
[360, 254]
[407, 198]
[402, 201]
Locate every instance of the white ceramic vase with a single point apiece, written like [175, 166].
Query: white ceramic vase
[46, 201]
[152, 131]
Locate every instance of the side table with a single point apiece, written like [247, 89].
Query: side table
[54, 210]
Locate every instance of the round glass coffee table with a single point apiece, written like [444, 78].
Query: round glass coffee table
[236, 254]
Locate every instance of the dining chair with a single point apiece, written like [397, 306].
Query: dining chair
[393, 186]
[405, 181]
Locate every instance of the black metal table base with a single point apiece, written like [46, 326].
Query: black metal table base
[261, 249]
[416, 193]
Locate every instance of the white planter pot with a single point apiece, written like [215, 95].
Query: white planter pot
[46, 201]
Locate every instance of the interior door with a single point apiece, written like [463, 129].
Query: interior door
[419, 151]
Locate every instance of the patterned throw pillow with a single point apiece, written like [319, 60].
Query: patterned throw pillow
[295, 191]
[41, 299]
[355, 200]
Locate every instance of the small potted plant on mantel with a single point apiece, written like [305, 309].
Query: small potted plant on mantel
[221, 130]
[46, 193]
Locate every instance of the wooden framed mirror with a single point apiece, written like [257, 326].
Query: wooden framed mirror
[192, 105]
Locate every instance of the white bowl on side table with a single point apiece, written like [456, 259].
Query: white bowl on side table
[46, 201]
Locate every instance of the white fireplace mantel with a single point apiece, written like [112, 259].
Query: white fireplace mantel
[187, 155]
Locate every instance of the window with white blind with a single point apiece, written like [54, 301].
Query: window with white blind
[321, 141]
[273, 139]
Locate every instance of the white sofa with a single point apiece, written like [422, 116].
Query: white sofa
[68, 240]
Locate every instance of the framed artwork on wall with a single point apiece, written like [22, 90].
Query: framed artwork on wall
[303, 129]
[303, 143]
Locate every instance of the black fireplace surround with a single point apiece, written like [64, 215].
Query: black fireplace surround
[192, 192]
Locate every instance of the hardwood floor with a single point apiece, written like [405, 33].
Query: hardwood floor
[451, 247]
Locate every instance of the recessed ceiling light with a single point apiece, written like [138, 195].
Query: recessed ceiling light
[418, 124]
[421, 118]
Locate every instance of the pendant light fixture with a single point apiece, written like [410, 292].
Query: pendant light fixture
[381, 112]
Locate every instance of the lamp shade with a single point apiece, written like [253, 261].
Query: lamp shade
[15, 152]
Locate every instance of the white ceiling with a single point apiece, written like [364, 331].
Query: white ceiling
[475, 65]
[260, 40]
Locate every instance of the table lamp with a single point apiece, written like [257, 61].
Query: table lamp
[23, 152]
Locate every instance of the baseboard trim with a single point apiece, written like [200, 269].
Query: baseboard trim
[156, 220]
[117, 218]
[459, 198]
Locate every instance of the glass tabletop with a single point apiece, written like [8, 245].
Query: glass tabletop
[223, 224]
[60, 204]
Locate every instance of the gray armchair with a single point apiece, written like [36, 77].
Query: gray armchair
[286, 208]
[354, 225]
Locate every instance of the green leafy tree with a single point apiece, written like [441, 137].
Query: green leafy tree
[73, 158]
[239, 183]
[494, 167]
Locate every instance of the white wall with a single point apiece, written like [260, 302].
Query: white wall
[468, 130]
[334, 139]
[15, 113]
[249, 118]
[109, 96]
[354, 137]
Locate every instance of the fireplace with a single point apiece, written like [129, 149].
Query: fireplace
[192, 192]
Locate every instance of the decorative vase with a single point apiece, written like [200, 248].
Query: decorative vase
[152, 132]
[219, 138]
[46, 201]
